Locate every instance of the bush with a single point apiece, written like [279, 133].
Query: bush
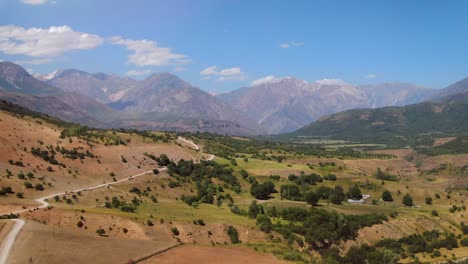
[464, 228]
[464, 242]
[149, 223]
[264, 223]
[434, 213]
[79, 224]
[28, 185]
[387, 196]
[20, 195]
[175, 231]
[311, 198]
[233, 235]
[156, 171]
[101, 231]
[39, 187]
[428, 200]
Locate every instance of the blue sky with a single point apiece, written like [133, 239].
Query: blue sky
[223, 45]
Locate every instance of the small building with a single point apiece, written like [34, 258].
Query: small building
[352, 201]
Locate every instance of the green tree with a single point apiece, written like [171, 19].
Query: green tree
[264, 223]
[408, 200]
[262, 190]
[355, 193]
[387, 196]
[338, 195]
[429, 200]
[311, 198]
[233, 235]
[253, 209]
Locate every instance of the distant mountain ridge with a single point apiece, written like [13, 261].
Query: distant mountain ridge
[287, 104]
[394, 125]
[157, 103]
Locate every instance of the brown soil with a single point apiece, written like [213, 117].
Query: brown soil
[49, 244]
[189, 254]
[400, 153]
[442, 141]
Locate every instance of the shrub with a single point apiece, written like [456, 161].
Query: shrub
[20, 195]
[434, 213]
[429, 200]
[28, 185]
[175, 231]
[79, 224]
[149, 223]
[387, 196]
[464, 242]
[39, 187]
[264, 223]
[101, 231]
[311, 198]
[233, 235]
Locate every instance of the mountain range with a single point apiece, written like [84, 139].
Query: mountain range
[163, 101]
[160, 102]
[444, 114]
[287, 104]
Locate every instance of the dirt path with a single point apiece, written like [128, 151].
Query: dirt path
[8, 243]
[10, 240]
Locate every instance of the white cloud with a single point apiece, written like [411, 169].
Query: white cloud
[267, 79]
[137, 72]
[148, 53]
[34, 2]
[290, 44]
[44, 43]
[179, 69]
[331, 82]
[229, 74]
[371, 76]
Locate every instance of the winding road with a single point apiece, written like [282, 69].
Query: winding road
[19, 223]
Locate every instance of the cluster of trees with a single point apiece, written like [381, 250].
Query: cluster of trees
[123, 205]
[6, 190]
[16, 163]
[316, 227]
[391, 250]
[75, 153]
[379, 174]
[202, 174]
[46, 155]
[262, 191]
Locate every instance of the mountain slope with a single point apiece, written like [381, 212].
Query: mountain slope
[161, 101]
[287, 104]
[456, 88]
[394, 124]
[101, 87]
[15, 79]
